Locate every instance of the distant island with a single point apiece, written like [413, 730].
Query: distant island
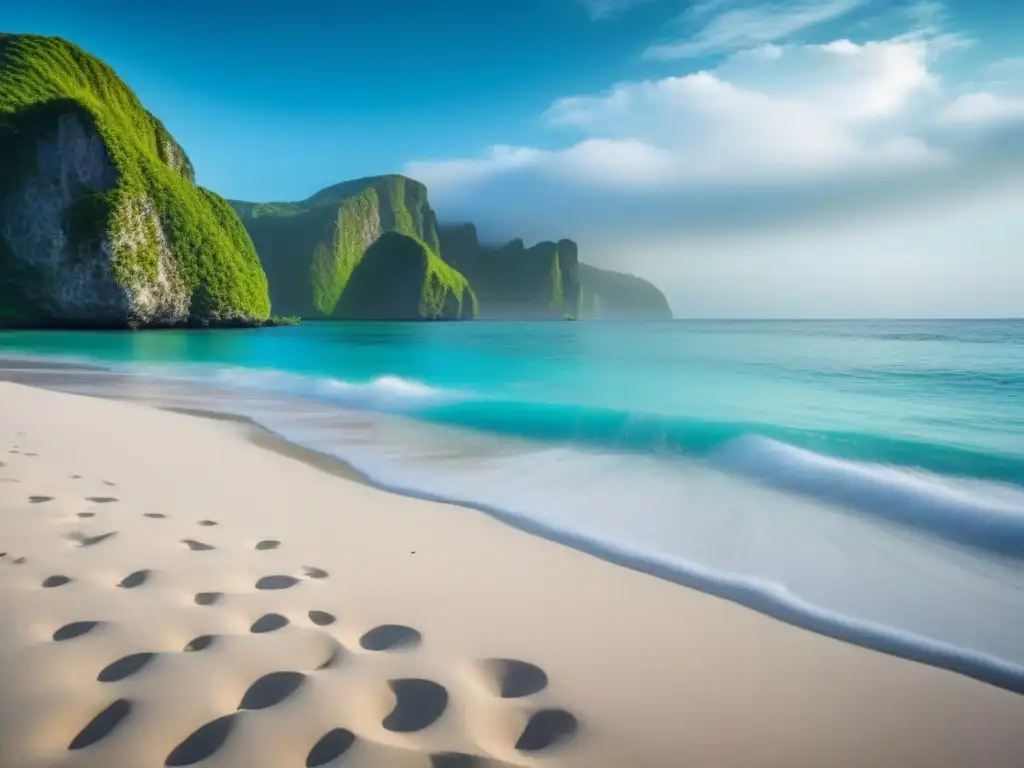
[314, 250]
[102, 225]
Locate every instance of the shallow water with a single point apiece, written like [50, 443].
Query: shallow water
[865, 479]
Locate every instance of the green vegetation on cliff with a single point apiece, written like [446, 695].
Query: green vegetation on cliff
[400, 278]
[546, 281]
[513, 280]
[311, 249]
[605, 293]
[101, 221]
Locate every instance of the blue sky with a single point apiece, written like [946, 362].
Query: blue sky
[754, 157]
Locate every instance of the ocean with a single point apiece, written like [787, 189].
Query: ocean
[863, 479]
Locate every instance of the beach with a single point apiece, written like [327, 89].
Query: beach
[181, 574]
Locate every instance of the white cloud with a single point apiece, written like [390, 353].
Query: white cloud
[743, 27]
[751, 155]
[957, 258]
[446, 175]
[770, 112]
[982, 109]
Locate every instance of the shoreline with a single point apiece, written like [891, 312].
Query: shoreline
[646, 673]
[792, 611]
[766, 600]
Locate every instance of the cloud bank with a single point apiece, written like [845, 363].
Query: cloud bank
[781, 144]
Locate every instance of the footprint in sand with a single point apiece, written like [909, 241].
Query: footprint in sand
[207, 523]
[39, 499]
[202, 743]
[75, 629]
[334, 658]
[155, 515]
[197, 546]
[314, 573]
[547, 728]
[419, 704]
[455, 760]
[55, 581]
[277, 582]
[109, 483]
[270, 622]
[268, 544]
[322, 618]
[208, 598]
[136, 579]
[390, 637]
[512, 679]
[125, 667]
[76, 477]
[90, 541]
[102, 725]
[331, 746]
[272, 689]
[101, 499]
[200, 643]
[87, 514]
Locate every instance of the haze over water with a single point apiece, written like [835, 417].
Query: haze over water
[862, 478]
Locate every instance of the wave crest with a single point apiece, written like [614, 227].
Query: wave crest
[983, 514]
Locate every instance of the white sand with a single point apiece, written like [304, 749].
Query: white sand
[656, 675]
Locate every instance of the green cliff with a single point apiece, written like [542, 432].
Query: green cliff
[399, 278]
[546, 281]
[101, 222]
[513, 280]
[312, 249]
[618, 295]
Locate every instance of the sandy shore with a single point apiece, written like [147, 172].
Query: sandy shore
[173, 589]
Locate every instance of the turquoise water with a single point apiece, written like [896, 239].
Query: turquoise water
[862, 478]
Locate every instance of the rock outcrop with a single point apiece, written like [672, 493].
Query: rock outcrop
[101, 222]
[399, 278]
[609, 294]
[546, 281]
[311, 249]
[514, 281]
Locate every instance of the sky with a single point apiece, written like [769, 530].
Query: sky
[753, 158]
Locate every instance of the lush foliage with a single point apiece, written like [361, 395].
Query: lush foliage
[42, 78]
[546, 280]
[513, 280]
[310, 249]
[400, 278]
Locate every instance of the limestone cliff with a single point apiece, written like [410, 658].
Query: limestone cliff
[546, 281]
[101, 222]
[515, 281]
[609, 294]
[399, 278]
[311, 249]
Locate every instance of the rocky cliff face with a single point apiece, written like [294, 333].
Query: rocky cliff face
[100, 221]
[513, 280]
[46, 230]
[399, 278]
[546, 281]
[311, 249]
[609, 294]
